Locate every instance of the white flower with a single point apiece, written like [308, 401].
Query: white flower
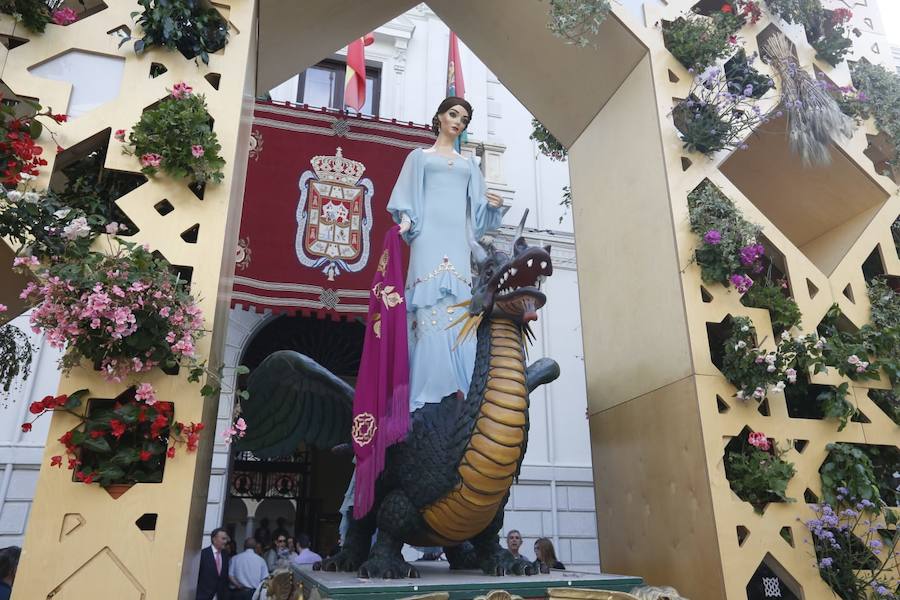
[779, 387]
[740, 344]
[770, 358]
[31, 197]
[26, 176]
[739, 395]
[745, 328]
[112, 228]
[853, 359]
[820, 344]
[785, 336]
[759, 393]
[76, 228]
[14, 195]
[62, 213]
[770, 368]
[791, 375]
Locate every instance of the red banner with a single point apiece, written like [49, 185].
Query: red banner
[317, 186]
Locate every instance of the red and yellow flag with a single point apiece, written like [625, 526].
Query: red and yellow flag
[355, 80]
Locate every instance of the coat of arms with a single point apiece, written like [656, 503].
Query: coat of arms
[334, 216]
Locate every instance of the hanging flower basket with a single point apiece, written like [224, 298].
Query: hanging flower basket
[126, 313]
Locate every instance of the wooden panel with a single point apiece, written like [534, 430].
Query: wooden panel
[654, 507]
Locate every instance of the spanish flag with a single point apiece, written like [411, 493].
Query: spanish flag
[355, 79]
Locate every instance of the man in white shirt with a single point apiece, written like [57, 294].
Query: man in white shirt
[247, 570]
[306, 556]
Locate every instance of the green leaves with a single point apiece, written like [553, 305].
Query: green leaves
[191, 27]
[178, 130]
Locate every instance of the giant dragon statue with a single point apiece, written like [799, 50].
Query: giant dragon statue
[447, 484]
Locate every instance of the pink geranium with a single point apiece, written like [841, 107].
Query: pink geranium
[759, 440]
[181, 90]
[151, 159]
[94, 316]
[146, 393]
[64, 16]
[119, 135]
[197, 150]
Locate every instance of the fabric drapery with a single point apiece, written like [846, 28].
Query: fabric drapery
[381, 401]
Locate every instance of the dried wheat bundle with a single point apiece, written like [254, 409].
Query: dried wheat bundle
[813, 116]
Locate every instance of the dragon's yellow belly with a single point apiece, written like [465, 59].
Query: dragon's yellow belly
[495, 448]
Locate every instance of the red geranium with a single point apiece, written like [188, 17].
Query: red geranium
[726, 8]
[26, 427]
[125, 440]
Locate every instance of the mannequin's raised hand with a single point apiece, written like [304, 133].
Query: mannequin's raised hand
[494, 200]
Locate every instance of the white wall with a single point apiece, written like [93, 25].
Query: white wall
[21, 453]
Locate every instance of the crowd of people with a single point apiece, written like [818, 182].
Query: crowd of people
[226, 574]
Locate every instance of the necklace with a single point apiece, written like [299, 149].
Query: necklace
[450, 163]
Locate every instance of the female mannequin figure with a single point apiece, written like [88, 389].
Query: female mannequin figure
[429, 203]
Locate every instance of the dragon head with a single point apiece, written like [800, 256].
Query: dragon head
[506, 286]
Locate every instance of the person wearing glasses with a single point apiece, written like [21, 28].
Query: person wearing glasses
[279, 556]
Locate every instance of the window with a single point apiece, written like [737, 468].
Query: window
[323, 85]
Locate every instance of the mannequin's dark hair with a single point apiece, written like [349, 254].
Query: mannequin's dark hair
[446, 105]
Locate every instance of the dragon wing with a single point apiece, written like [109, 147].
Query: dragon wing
[294, 399]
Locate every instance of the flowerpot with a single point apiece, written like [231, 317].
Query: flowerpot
[117, 489]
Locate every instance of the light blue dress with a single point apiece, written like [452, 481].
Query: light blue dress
[432, 194]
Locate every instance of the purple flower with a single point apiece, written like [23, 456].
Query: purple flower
[749, 254]
[741, 282]
[862, 97]
[712, 237]
[825, 563]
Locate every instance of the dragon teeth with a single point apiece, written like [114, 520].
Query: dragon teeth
[530, 262]
[543, 264]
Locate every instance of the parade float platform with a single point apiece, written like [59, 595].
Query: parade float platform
[460, 585]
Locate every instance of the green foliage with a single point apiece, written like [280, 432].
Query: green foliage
[34, 14]
[740, 74]
[193, 27]
[698, 41]
[94, 191]
[37, 222]
[576, 20]
[783, 310]
[715, 116]
[759, 476]
[16, 353]
[835, 404]
[850, 468]
[710, 210]
[882, 99]
[888, 401]
[171, 130]
[826, 30]
[848, 352]
[750, 369]
[549, 146]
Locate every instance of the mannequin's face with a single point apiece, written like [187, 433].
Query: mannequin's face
[454, 121]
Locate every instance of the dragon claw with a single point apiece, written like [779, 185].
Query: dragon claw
[387, 568]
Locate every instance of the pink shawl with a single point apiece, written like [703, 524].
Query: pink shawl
[381, 403]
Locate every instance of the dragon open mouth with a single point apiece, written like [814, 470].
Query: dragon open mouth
[518, 285]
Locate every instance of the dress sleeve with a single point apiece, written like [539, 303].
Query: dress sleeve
[484, 216]
[406, 198]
